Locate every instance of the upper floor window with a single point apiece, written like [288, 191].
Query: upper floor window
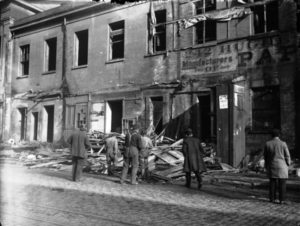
[265, 17]
[25, 49]
[116, 38]
[298, 16]
[159, 34]
[81, 48]
[206, 31]
[50, 55]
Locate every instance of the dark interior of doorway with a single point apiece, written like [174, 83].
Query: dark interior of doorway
[205, 117]
[157, 103]
[23, 112]
[35, 124]
[50, 122]
[116, 107]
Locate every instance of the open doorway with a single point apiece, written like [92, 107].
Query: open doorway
[35, 116]
[50, 122]
[114, 115]
[157, 113]
[23, 114]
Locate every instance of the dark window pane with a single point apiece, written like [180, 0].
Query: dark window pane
[82, 38]
[117, 39]
[272, 16]
[51, 54]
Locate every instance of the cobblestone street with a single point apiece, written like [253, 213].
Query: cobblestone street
[44, 197]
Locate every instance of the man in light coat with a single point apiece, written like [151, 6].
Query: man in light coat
[112, 150]
[193, 158]
[277, 160]
[79, 143]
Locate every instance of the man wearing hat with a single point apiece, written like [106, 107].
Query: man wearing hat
[131, 156]
[193, 158]
[79, 143]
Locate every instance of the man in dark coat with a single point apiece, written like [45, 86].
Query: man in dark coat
[79, 143]
[193, 158]
[131, 156]
[277, 160]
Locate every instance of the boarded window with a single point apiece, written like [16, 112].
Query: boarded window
[206, 31]
[265, 108]
[265, 17]
[116, 35]
[50, 61]
[81, 48]
[24, 60]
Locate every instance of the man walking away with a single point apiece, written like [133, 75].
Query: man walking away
[79, 143]
[131, 156]
[193, 158]
[112, 149]
[277, 160]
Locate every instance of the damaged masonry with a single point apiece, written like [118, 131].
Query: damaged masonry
[227, 69]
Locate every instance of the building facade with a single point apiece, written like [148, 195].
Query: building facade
[226, 69]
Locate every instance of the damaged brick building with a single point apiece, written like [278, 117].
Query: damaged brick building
[225, 68]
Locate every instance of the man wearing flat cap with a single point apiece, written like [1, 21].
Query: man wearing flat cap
[193, 158]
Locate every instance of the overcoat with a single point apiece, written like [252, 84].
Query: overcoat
[111, 145]
[277, 158]
[193, 155]
[79, 142]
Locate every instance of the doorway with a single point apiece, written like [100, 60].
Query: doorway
[35, 116]
[157, 113]
[50, 122]
[114, 115]
[23, 114]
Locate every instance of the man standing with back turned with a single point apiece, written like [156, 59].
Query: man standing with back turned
[277, 160]
[79, 143]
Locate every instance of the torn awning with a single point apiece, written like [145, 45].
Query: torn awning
[221, 16]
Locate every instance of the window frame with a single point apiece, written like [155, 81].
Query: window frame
[24, 60]
[160, 32]
[81, 44]
[49, 63]
[203, 24]
[117, 32]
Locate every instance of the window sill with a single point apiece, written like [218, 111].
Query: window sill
[207, 44]
[115, 61]
[23, 76]
[156, 54]
[264, 34]
[48, 72]
[79, 67]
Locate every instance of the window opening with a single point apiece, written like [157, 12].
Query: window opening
[116, 35]
[35, 124]
[25, 60]
[157, 113]
[50, 122]
[265, 17]
[206, 31]
[81, 45]
[265, 108]
[23, 114]
[51, 54]
[159, 37]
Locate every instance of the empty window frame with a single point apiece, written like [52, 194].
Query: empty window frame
[206, 31]
[116, 40]
[265, 108]
[298, 16]
[159, 36]
[24, 61]
[265, 17]
[81, 48]
[50, 56]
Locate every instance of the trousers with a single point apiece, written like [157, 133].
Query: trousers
[130, 158]
[77, 164]
[277, 184]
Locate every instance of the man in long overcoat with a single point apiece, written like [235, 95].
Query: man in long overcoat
[277, 160]
[79, 143]
[193, 158]
[131, 156]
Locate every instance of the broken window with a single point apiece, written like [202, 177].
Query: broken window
[206, 31]
[24, 60]
[81, 48]
[158, 40]
[116, 35]
[50, 61]
[265, 17]
[265, 108]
